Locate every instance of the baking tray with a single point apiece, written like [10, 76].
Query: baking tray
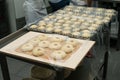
[70, 63]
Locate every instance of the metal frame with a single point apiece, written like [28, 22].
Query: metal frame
[118, 9]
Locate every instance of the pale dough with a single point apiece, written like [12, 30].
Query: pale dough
[68, 48]
[55, 45]
[58, 55]
[27, 47]
[44, 44]
[72, 42]
[42, 37]
[38, 51]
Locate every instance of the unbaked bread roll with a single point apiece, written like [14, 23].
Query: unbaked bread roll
[66, 32]
[51, 17]
[27, 47]
[50, 29]
[44, 44]
[57, 39]
[57, 24]
[34, 41]
[92, 28]
[58, 55]
[57, 31]
[60, 21]
[72, 42]
[41, 28]
[75, 34]
[86, 35]
[41, 23]
[68, 48]
[42, 37]
[85, 31]
[38, 51]
[68, 22]
[46, 19]
[33, 26]
[49, 25]
[55, 45]
[67, 18]
[66, 25]
[59, 17]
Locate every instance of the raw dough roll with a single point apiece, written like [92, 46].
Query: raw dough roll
[67, 48]
[58, 55]
[34, 41]
[72, 42]
[56, 39]
[38, 51]
[55, 45]
[27, 47]
[33, 26]
[44, 44]
[42, 37]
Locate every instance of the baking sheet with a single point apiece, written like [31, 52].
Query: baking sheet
[70, 63]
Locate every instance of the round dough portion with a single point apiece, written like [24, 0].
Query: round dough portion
[33, 26]
[68, 48]
[57, 39]
[58, 55]
[41, 23]
[27, 47]
[55, 45]
[44, 44]
[42, 37]
[72, 42]
[86, 35]
[34, 41]
[38, 51]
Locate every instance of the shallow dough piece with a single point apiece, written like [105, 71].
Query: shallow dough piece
[58, 55]
[33, 26]
[34, 41]
[38, 51]
[76, 34]
[42, 37]
[55, 45]
[44, 44]
[86, 35]
[41, 23]
[68, 48]
[27, 47]
[72, 42]
[56, 39]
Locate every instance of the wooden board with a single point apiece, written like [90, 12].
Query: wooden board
[71, 63]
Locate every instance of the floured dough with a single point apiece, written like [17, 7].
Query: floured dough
[55, 45]
[68, 48]
[42, 37]
[44, 44]
[72, 42]
[33, 26]
[34, 41]
[27, 47]
[38, 51]
[57, 39]
[58, 55]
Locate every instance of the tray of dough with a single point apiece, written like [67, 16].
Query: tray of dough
[52, 49]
